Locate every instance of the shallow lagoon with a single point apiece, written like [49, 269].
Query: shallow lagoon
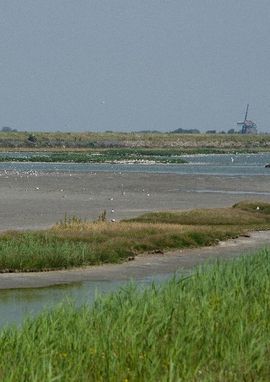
[209, 164]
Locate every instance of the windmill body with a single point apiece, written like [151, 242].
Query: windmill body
[248, 126]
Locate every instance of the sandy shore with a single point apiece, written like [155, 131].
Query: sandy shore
[39, 200]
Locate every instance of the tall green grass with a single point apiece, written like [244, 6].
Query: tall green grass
[48, 250]
[211, 326]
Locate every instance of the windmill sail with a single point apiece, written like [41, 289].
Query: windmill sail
[246, 113]
[248, 127]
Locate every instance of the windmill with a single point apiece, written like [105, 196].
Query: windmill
[248, 127]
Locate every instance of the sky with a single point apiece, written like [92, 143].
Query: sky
[121, 65]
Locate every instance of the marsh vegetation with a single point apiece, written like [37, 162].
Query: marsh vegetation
[74, 242]
[99, 156]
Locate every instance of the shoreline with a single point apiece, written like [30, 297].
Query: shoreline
[142, 266]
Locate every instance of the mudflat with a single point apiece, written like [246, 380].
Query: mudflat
[37, 200]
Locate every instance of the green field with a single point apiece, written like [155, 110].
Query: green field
[211, 326]
[73, 242]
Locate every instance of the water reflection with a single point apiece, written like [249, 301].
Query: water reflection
[17, 304]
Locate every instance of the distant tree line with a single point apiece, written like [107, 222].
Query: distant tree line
[196, 131]
[7, 129]
[186, 131]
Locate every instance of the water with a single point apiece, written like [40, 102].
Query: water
[18, 304]
[210, 164]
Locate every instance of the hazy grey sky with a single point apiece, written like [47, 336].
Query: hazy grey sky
[133, 65]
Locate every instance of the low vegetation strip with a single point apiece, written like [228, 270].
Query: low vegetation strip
[241, 214]
[74, 243]
[211, 326]
[98, 156]
[192, 143]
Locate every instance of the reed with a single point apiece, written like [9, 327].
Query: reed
[211, 326]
